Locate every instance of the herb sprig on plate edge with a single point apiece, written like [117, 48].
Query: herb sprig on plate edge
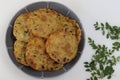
[103, 61]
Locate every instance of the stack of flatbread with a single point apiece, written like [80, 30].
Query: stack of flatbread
[45, 39]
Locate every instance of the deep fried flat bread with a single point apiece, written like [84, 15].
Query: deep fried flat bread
[20, 29]
[19, 52]
[62, 47]
[37, 58]
[70, 25]
[43, 22]
[35, 53]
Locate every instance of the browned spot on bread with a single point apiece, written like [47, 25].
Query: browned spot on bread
[43, 18]
[67, 48]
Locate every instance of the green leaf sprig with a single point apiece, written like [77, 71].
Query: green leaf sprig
[112, 32]
[102, 62]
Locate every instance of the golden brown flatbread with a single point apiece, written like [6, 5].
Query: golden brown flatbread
[43, 22]
[62, 47]
[71, 26]
[19, 52]
[20, 29]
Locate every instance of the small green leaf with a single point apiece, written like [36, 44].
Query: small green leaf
[108, 35]
[98, 72]
[86, 63]
[91, 78]
[118, 59]
[88, 70]
[86, 66]
[97, 28]
[109, 77]
[103, 32]
[101, 67]
[96, 24]
[102, 75]
[102, 27]
[107, 24]
[89, 39]
[102, 24]
[95, 78]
